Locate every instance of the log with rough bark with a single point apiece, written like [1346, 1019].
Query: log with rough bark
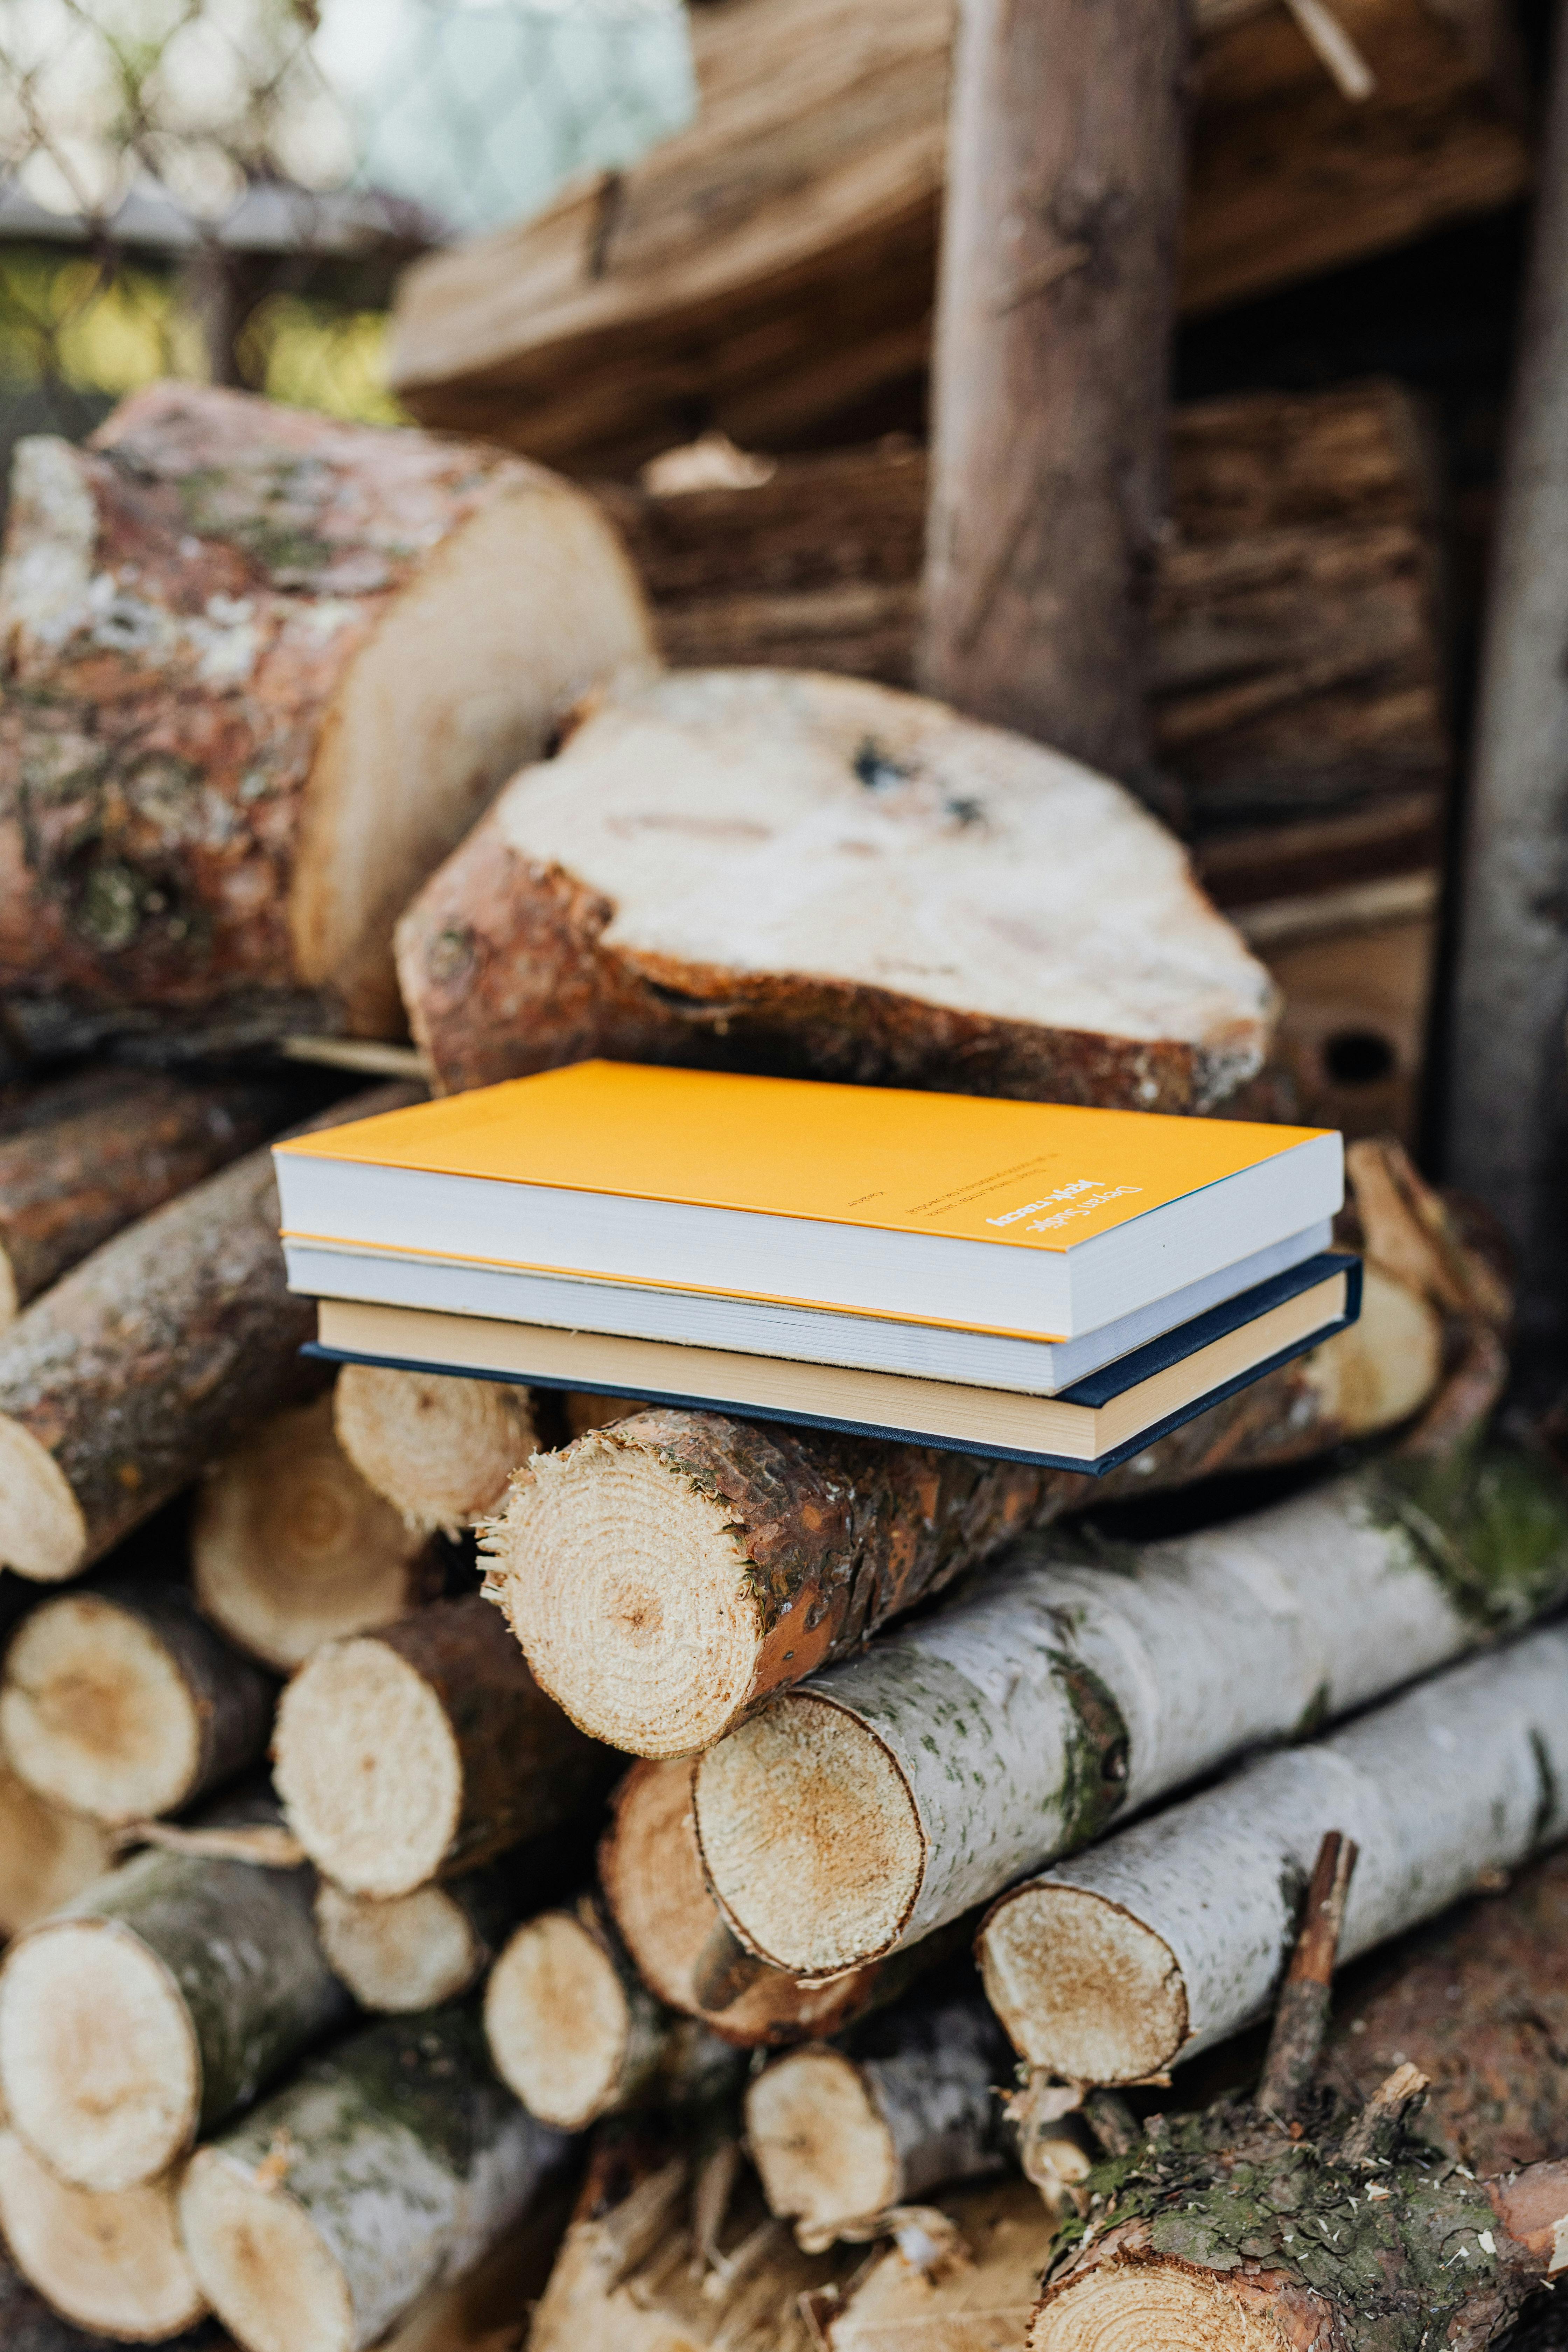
[47, 1855]
[770, 868]
[772, 267]
[262, 670]
[575, 2032]
[387, 2167]
[142, 1365]
[96, 1153]
[1173, 1935]
[1299, 665]
[888, 1795]
[123, 1702]
[423, 1749]
[1226, 2231]
[439, 1449]
[155, 2005]
[841, 2135]
[415, 1951]
[108, 2260]
[290, 1548]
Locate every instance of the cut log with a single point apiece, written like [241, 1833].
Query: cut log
[123, 1702]
[1227, 2232]
[28, 2324]
[415, 1951]
[263, 669]
[772, 267]
[155, 2005]
[892, 1793]
[921, 902]
[47, 1855]
[578, 2035]
[387, 2167]
[439, 1449]
[980, 2303]
[109, 2260]
[420, 1751]
[643, 2268]
[290, 1548]
[838, 2138]
[114, 1150]
[142, 1365]
[1174, 1934]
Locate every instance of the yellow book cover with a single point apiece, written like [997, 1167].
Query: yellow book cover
[1039, 1176]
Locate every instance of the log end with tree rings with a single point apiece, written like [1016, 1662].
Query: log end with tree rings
[111, 2262]
[411, 1952]
[1082, 1988]
[439, 1449]
[276, 2282]
[818, 2140]
[561, 2022]
[1130, 2307]
[368, 1768]
[98, 2066]
[43, 1529]
[47, 1854]
[633, 1601]
[801, 1899]
[290, 1548]
[1386, 1366]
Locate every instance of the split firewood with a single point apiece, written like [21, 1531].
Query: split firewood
[117, 1147]
[893, 1793]
[980, 2300]
[578, 2035]
[743, 1557]
[152, 2007]
[124, 1703]
[772, 267]
[415, 1951]
[319, 645]
[290, 1548]
[47, 1855]
[841, 2135]
[384, 2168]
[108, 2260]
[143, 1364]
[1173, 1935]
[440, 1450]
[423, 1749]
[609, 904]
[644, 2268]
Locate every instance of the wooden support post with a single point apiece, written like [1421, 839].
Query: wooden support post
[1056, 297]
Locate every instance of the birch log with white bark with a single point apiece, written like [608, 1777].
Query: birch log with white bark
[439, 1449]
[892, 1792]
[111, 2261]
[840, 2136]
[290, 1548]
[384, 2168]
[1175, 1932]
[420, 1751]
[124, 1703]
[263, 669]
[155, 2005]
[415, 1951]
[149, 1361]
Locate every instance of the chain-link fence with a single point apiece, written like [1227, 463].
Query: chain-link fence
[228, 188]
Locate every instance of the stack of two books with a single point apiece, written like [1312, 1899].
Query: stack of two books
[1033, 1280]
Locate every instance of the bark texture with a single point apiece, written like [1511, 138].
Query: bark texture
[439, 1451]
[386, 2167]
[421, 1750]
[154, 2006]
[217, 619]
[123, 1702]
[1175, 1933]
[143, 1364]
[609, 904]
[109, 2261]
[893, 1793]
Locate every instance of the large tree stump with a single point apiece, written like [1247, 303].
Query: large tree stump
[759, 868]
[262, 670]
